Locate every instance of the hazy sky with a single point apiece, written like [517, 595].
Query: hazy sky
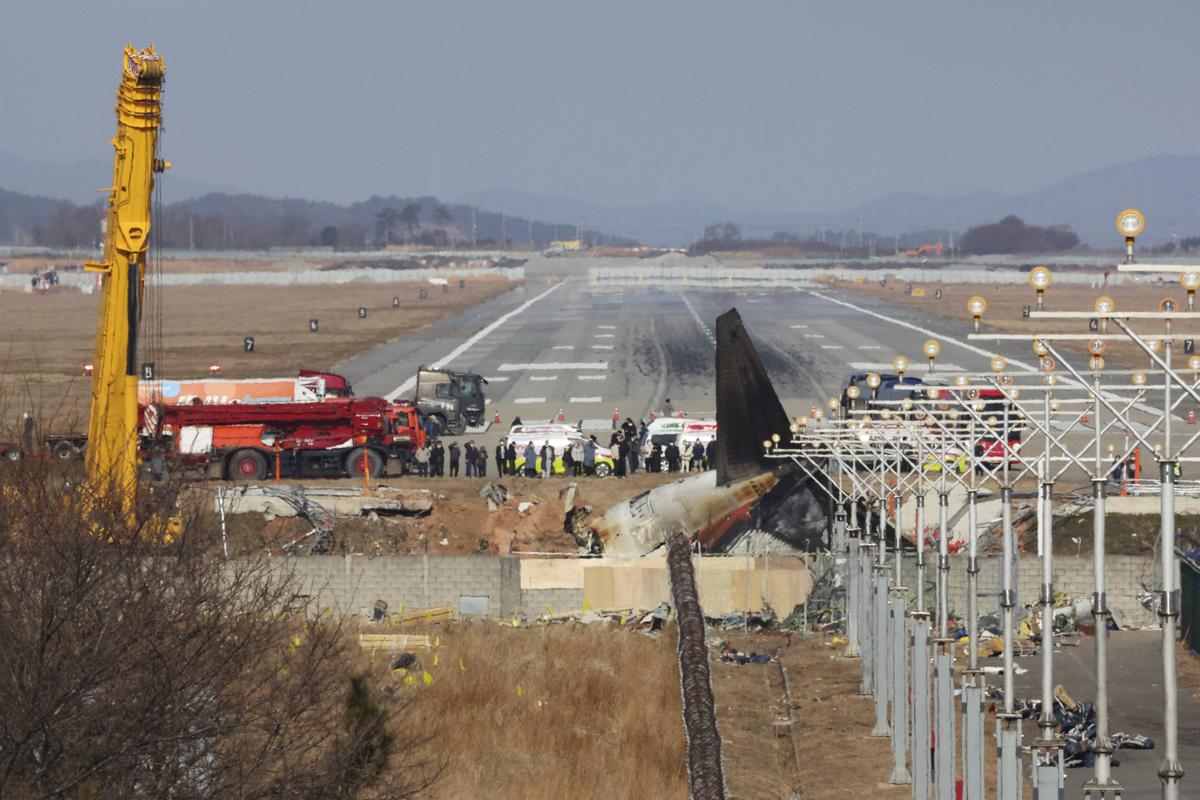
[781, 105]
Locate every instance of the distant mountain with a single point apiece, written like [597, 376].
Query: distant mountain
[1166, 188]
[79, 180]
[248, 221]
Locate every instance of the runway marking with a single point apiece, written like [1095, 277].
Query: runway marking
[472, 341]
[799, 327]
[554, 365]
[543, 378]
[606, 336]
[563, 347]
[870, 347]
[592, 377]
[708, 334]
[831, 347]
[814, 336]
[586, 399]
[495, 378]
[602, 347]
[607, 327]
[527, 400]
[925, 331]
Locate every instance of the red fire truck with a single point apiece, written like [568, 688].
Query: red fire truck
[338, 437]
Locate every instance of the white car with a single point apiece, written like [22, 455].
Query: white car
[665, 430]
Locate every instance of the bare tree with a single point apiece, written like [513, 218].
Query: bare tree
[136, 662]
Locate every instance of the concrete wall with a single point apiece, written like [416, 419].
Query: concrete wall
[532, 586]
[1124, 576]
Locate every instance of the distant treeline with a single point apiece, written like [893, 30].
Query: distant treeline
[252, 222]
[1012, 235]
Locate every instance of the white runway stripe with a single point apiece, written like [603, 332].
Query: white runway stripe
[527, 400]
[607, 327]
[799, 327]
[495, 378]
[814, 336]
[469, 343]
[831, 347]
[543, 378]
[602, 347]
[586, 399]
[563, 347]
[592, 377]
[554, 365]
[606, 335]
[918, 369]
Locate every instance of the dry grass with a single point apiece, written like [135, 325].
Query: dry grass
[551, 712]
[48, 338]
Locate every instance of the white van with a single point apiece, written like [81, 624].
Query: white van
[680, 430]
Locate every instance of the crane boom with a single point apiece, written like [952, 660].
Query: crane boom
[113, 422]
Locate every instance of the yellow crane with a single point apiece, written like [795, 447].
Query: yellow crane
[112, 452]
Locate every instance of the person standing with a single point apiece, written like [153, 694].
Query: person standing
[469, 450]
[622, 456]
[500, 458]
[437, 459]
[577, 457]
[710, 455]
[481, 462]
[453, 454]
[547, 460]
[672, 457]
[422, 459]
[589, 456]
[698, 456]
[668, 408]
[510, 459]
[530, 461]
[568, 460]
[656, 456]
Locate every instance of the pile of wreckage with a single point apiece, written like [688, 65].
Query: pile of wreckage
[1076, 723]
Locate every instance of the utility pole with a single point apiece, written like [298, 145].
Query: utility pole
[472, 227]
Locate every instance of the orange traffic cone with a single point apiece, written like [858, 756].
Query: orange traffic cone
[496, 419]
[1191, 416]
[561, 416]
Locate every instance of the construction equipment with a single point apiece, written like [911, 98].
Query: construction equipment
[451, 400]
[112, 453]
[309, 386]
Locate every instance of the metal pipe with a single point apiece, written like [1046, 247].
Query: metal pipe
[1101, 783]
[1170, 772]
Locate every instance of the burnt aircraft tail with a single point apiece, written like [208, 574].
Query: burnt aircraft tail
[748, 410]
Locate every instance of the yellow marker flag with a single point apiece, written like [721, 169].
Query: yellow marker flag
[437, 641]
[622, 620]
[408, 679]
[520, 690]
[427, 678]
[587, 606]
[461, 666]
[435, 659]
[516, 622]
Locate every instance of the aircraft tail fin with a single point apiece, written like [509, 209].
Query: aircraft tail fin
[748, 410]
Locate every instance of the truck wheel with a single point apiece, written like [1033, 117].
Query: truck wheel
[247, 465]
[354, 463]
[459, 428]
[603, 470]
[65, 451]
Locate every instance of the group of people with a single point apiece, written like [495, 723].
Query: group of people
[579, 456]
[430, 460]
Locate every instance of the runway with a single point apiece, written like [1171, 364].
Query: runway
[593, 350]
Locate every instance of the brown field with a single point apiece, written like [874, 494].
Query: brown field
[46, 339]
[570, 710]
[1005, 304]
